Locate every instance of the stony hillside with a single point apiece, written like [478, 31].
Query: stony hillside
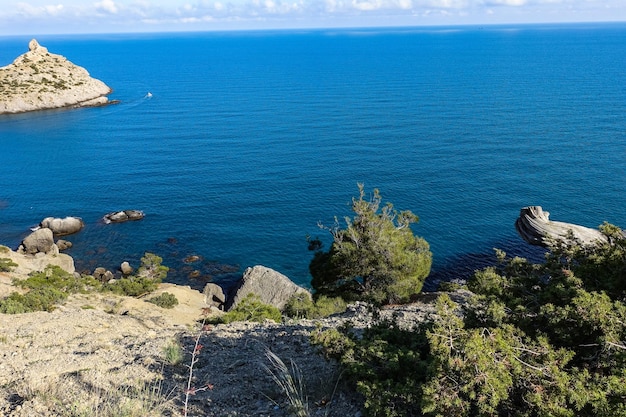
[105, 355]
[102, 354]
[40, 80]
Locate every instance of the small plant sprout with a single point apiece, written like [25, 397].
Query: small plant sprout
[197, 348]
[173, 353]
[291, 383]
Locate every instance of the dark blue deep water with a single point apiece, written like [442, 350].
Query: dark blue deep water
[251, 138]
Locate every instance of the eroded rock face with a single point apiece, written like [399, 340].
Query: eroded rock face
[535, 227]
[40, 80]
[270, 286]
[36, 262]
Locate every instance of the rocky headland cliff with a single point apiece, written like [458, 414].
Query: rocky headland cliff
[39, 80]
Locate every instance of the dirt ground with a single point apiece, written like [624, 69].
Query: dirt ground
[104, 355]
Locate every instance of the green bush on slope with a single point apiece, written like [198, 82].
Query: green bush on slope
[376, 257]
[53, 285]
[544, 339]
[251, 309]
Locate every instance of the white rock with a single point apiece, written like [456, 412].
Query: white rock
[40, 80]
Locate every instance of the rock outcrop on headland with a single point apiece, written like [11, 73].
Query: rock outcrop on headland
[28, 262]
[535, 227]
[39, 80]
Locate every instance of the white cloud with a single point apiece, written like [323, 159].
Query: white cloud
[23, 15]
[366, 5]
[26, 9]
[54, 10]
[107, 6]
[448, 4]
[514, 3]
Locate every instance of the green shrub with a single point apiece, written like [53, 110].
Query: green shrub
[6, 265]
[54, 284]
[55, 277]
[151, 267]
[451, 286]
[164, 300]
[149, 276]
[545, 339]
[132, 286]
[46, 289]
[386, 364]
[13, 304]
[40, 299]
[251, 309]
[302, 306]
[173, 353]
[376, 257]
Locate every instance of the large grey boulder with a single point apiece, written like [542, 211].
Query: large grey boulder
[214, 295]
[62, 227]
[126, 268]
[535, 227]
[39, 241]
[270, 286]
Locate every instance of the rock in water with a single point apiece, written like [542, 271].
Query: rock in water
[126, 268]
[535, 227]
[40, 80]
[63, 244]
[62, 227]
[123, 216]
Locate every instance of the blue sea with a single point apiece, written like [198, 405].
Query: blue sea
[251, 138]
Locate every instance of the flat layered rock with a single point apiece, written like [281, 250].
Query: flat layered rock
[39, 80]
[536, 228]
[123, 216]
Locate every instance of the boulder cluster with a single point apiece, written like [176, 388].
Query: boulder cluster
[270, 286]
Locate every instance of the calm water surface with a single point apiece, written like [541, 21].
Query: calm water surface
[251, 138]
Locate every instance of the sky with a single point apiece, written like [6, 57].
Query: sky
[31, 17]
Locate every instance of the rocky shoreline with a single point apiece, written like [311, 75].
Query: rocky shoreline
[100, 350]
[39, 80]
[103, 343]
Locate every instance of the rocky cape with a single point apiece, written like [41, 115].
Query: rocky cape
[39, 80]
